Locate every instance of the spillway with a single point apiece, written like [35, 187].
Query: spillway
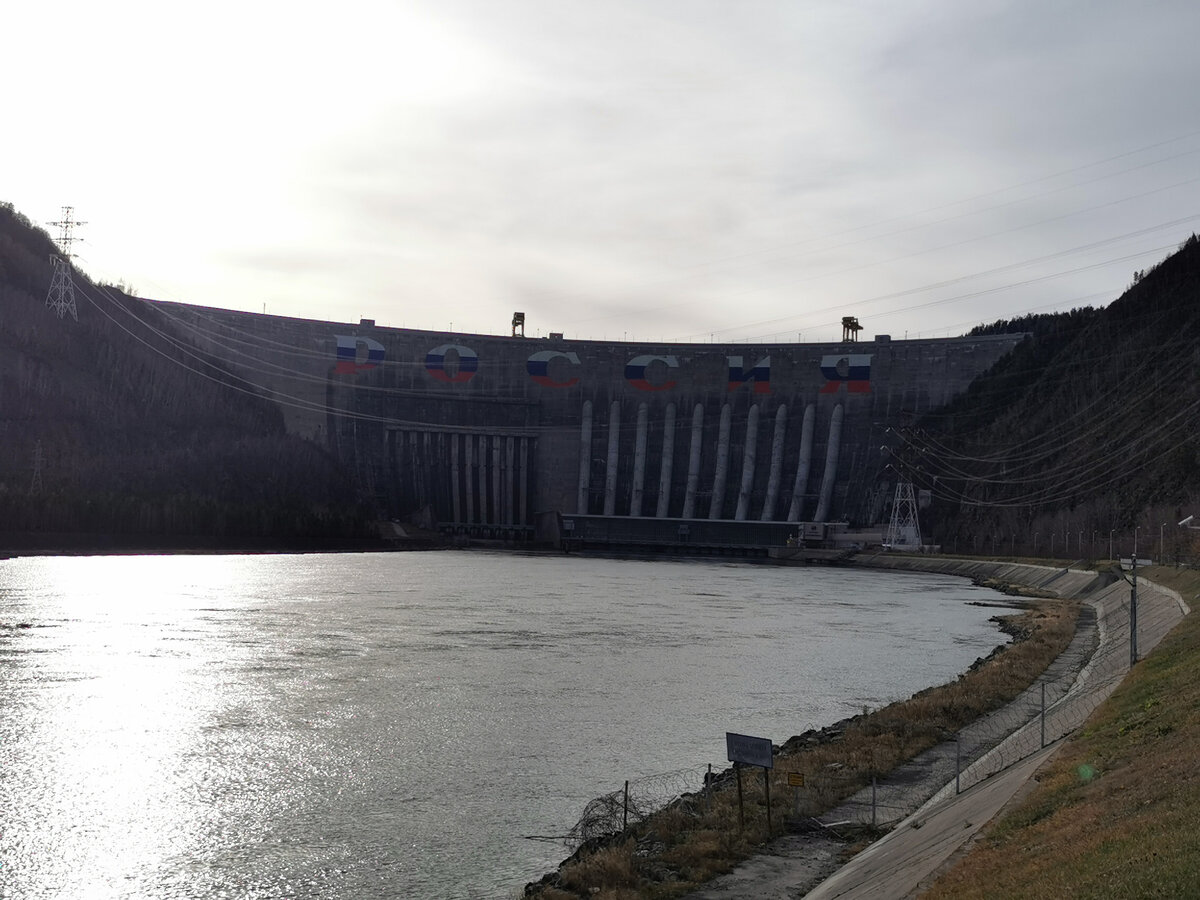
[481, 434]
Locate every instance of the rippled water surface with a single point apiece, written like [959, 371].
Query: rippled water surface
[404, 725]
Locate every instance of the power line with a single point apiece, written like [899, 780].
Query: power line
[792, 248]
[933, 465]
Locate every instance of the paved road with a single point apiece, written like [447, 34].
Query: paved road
[896, 865]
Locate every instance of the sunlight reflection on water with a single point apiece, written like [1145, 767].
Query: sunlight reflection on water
[358, 725]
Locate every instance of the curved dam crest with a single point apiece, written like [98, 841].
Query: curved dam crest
[479, 434]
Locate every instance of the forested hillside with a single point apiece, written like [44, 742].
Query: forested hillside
[112, 435]
[1085, 433]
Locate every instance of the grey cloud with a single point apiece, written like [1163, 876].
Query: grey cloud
[708, 166]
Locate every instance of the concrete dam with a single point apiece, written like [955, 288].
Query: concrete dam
[498, 436]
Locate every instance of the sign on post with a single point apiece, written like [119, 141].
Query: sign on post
[744, 750]
[795, 782]
[1127, 562]
[751, 751]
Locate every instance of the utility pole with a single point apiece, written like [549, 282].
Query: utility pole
[61, 298]
[1133, 607]
[1133, 655]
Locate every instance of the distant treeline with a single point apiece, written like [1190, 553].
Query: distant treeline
[110, 429]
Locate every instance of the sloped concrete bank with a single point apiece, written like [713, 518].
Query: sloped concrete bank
[1058, 580]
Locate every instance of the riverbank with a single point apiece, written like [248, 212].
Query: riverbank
[1114, 813]
[911, 855]
[689, 843]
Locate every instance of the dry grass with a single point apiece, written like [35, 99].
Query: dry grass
[882, 740]
[1114, 815]
[685, 845]
[610, 869]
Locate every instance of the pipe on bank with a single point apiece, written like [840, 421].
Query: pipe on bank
[585, 458]
[831, 461]
[693, 476]
[718, 489]
[749, 461]
[639, 462]
[668, 456]
[776, 473]
[801, 483]
[614, 457]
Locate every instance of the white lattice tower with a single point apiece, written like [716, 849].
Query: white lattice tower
[61, 298]
[904, 533]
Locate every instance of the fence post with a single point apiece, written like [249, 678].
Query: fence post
[1133, 610]
[1043, 714]
[957, 761]
[872, 799]
[625, 816]
[767, 791]
[708, 785]
[737, 767]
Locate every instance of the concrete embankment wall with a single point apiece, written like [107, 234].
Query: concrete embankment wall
[1062, 582]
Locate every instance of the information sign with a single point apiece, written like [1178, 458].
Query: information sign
[751, 751]
[1127, 563]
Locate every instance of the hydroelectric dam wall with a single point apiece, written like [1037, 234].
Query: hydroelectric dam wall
[479, 434]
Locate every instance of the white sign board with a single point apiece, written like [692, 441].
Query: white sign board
[752, 751]
[1127, 563]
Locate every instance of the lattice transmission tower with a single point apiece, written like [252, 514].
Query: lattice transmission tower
[61, 298]
[904, 533]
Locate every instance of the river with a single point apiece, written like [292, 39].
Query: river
[406, 724]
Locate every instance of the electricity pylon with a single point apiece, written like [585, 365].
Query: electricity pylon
[61, 298]
[904, 533]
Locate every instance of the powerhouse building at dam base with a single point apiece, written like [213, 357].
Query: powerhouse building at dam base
[560, 441]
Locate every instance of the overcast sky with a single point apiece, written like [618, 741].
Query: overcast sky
[652, 170]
